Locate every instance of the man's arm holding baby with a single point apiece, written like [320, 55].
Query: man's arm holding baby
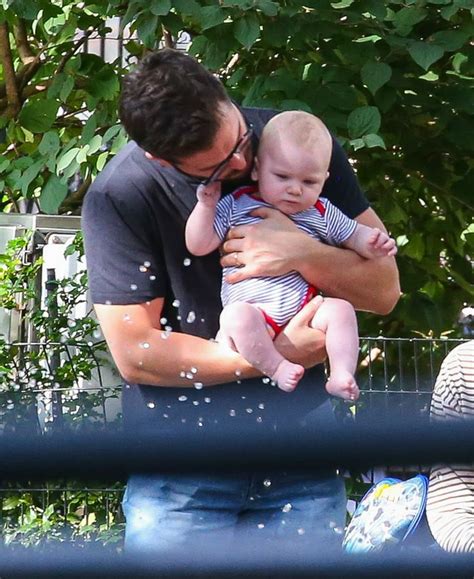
[275, 246]
[171, 357]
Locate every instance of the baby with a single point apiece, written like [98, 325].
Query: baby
[291, 167]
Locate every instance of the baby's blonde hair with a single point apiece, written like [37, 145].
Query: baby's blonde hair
[300, 128]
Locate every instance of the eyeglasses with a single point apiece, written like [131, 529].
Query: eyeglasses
[239, 146]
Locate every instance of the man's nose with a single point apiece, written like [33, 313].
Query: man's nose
[238, 161]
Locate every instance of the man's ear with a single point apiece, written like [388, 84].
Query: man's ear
[254, 172]
[162, 162]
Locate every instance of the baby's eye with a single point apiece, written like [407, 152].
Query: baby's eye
[281, 176]
[309, 182]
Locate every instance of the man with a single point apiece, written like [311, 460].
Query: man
[159, 307]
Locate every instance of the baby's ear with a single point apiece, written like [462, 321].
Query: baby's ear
[254, 172]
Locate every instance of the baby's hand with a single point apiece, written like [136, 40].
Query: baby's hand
[379, 244]
[209, 194]
[371, 243]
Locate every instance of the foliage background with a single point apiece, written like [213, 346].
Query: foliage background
[393, 80]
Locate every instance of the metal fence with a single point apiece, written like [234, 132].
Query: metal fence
[113, 45]
[396, 377]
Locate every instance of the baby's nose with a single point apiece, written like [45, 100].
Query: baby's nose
[294, 189]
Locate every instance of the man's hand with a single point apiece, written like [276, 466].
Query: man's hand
[299, 342]
[275, 246]
[264, 248]
[209, 195]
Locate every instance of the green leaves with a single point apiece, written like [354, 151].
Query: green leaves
[104, 85]
[375, 74]
[27, 9]
[160, 7]
[187, 7]
[53, 195]
[406, 18]
[425, 54]
[247, 30]
[393, 81]
[362, 121]
[49, 144]
[415, 248]
[268, 7]
[67, 159]
[450, 40]
[211, 16]
[38, 115]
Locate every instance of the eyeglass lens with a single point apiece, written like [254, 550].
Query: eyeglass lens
[235, 151]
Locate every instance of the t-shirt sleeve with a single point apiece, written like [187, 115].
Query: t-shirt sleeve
[223, 216]
[124, 261]
[339, 226]
[342, 187]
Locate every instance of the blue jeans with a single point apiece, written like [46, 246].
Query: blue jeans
[167, 511]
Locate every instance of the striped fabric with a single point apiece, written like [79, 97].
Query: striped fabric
[279, 297]
[450, 507]
[328, 224]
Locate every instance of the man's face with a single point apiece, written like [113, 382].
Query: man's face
[230, 156]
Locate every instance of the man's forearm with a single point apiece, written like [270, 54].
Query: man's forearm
[275, 246]
[175, 359]
[368, 284]
[146, 354]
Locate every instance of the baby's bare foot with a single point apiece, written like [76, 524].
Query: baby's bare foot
[288, 375]
[343, 384]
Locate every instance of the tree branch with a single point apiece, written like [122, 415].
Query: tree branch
[28, 91]
[13, 201]
[28, 72]
[74, 200]
[23, 46]
[168, 38]
[6, 58]
[74, 49]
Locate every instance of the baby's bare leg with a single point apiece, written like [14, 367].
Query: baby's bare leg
[243, 325]
[337, 319]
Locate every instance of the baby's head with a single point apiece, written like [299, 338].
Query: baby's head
[293, 160]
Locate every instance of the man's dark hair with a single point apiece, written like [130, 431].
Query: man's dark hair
[171, 105]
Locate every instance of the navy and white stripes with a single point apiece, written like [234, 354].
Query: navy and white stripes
[450, 507]
[280, 297]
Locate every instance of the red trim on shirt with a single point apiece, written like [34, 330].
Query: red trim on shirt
[252, 189]
[271, 322]
[319, 205]
[245, 190]
[310, 294]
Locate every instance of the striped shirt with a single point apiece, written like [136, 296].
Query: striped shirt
[283, 296]
[450, 506]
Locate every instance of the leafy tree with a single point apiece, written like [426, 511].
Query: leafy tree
[58, 104]
[393, 80]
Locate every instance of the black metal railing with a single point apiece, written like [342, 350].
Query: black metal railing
[396, 377]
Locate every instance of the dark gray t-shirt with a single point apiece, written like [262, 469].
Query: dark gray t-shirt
[134, 218]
